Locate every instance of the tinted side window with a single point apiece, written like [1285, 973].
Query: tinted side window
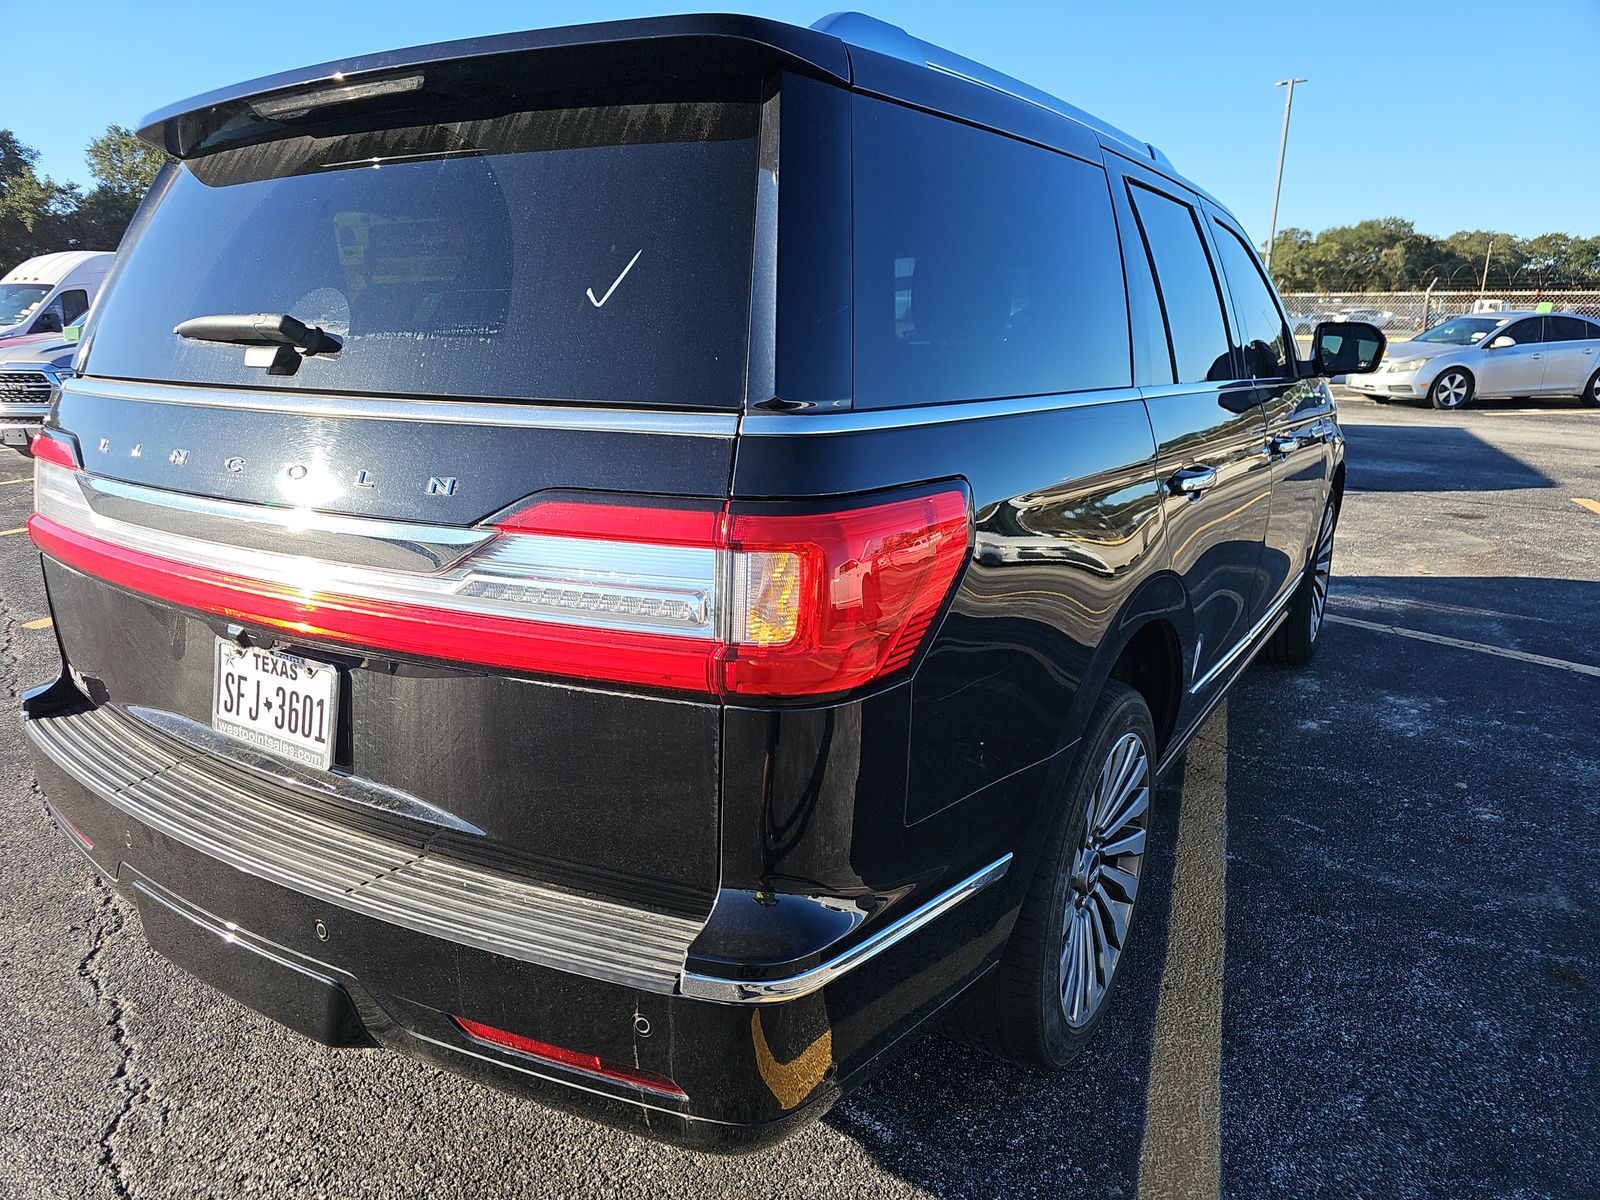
[1189, 295]
[1525, 333]
[1566, 329]
[74, 304]
[984, 267]
[1266, 340]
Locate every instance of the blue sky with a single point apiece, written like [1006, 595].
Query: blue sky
[1463, 114]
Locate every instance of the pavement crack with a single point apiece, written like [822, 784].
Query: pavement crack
[135, 1089]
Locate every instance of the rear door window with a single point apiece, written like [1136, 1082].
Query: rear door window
[598, 253]
[1187, 285]
[985, 267]
[1567, 329]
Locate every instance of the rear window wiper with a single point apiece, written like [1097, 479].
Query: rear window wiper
[275, 341]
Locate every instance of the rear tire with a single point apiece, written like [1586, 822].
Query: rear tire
[1295, 642]
[1036, 1007]
[1591, 391]
[1452, 390]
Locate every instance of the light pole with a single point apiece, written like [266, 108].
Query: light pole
[1283, 145]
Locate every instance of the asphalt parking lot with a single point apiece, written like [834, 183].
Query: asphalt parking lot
[1369, 965]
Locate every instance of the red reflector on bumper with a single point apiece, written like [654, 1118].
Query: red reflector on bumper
[587, 1064]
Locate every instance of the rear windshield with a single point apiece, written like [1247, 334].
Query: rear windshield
[597, 253]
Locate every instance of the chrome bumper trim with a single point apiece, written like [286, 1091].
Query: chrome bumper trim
[771, 991]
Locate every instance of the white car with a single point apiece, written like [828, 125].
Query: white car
[1491, 356]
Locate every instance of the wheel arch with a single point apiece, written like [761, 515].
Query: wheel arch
[1147, 646]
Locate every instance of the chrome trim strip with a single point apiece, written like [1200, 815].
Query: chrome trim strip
[860, 420]
[1274, 611]
[1179, 744]
[770, 991]
[355, 541]
[511, 414]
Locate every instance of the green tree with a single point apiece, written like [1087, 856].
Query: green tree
[120, 162]
[33, 210]
[1388, 254]
[123, 168]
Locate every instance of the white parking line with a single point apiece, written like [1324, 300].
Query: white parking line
[1538, 660]
[1181, 1154]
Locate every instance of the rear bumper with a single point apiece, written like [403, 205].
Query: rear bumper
[347, 979]
[346, 962]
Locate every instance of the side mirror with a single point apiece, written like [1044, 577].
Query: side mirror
[1501, 342]
[1346, 348]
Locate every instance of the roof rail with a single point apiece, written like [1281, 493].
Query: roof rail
[869, 33]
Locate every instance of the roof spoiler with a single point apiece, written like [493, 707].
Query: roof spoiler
[724, 44]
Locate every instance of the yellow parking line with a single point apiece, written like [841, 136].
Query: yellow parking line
[10, 532]
[16, 482]
[41, 623]
[1181, 1155]
[1592, 505]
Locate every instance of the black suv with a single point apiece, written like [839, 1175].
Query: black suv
[641, 563]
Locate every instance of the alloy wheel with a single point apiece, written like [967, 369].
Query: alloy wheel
[1321, 573]
[1105, 879]
[1452, 389]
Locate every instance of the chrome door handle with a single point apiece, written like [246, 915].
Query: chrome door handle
[1320, 431]
[1284, 443]
[1191, 481]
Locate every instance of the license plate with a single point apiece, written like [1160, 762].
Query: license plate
[276, 702]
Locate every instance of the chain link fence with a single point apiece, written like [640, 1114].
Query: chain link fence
[1404, 314]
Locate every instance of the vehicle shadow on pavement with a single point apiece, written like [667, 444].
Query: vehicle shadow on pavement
[1424, 458]
[953, 1120]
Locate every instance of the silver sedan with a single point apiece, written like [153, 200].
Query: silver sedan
[1492, 356]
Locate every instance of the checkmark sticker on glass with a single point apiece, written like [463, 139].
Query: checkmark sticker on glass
[601, 302]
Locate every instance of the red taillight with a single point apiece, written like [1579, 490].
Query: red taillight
[860, 591]
[716, 599]
[587, 1064]
[47, 447]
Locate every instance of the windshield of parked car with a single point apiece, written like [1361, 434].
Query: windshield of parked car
[1460, 331]
[591, 252]
[17, 300]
